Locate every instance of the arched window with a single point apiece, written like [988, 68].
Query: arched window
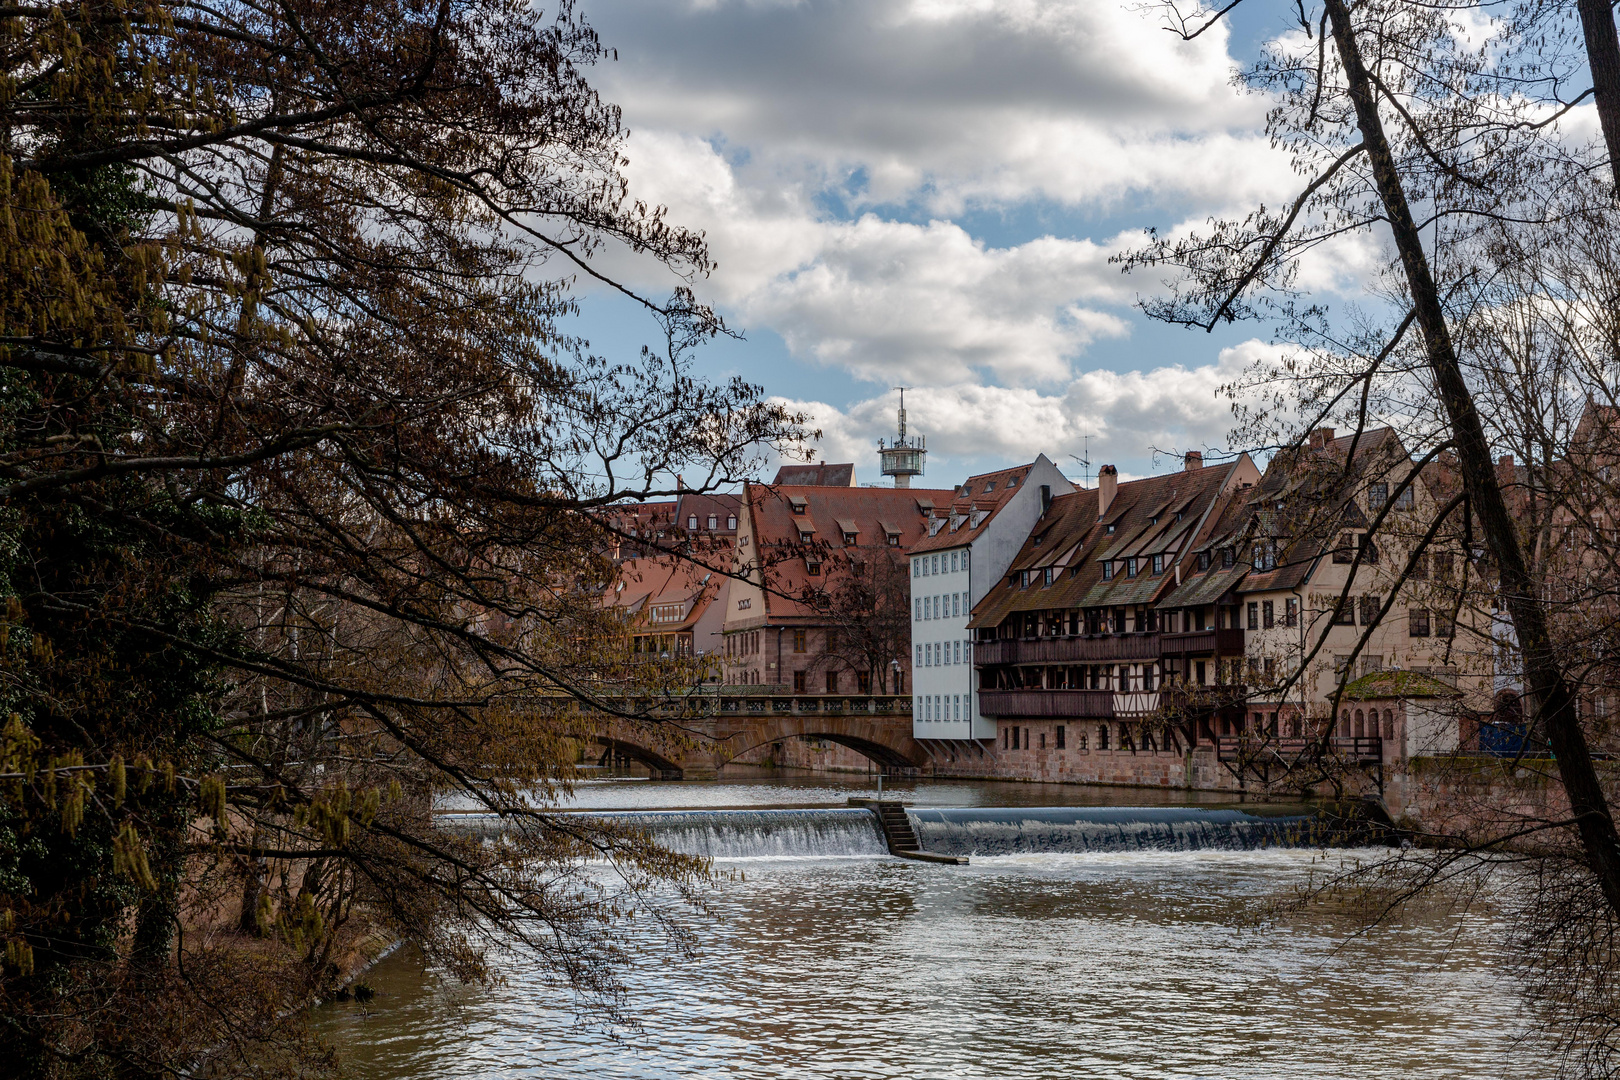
[1344, 724]
[1389, 724]
[1361, 725]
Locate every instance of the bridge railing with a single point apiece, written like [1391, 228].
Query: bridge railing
[729, 703]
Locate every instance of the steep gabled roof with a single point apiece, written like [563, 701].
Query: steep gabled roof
[660, 581]
[823, 475]
[1153, 515]
[875, 513]
[973, 506]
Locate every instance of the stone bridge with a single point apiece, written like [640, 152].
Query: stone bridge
[717, 728]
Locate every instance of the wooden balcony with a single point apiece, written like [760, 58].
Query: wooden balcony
[1068, 650]
[1054, 704]
[1223, 642]
[1359, 750]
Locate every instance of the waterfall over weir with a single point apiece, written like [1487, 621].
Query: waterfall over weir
[1025, 830]
[844, 833]
[752, 834]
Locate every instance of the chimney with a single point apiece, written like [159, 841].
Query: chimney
[1505, 461]
[1193, 460]
[1107, 484]
[1046, 498]
[1320, 437]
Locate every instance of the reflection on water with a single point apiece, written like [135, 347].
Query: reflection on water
[1107, 964]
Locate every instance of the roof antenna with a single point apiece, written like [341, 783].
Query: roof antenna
[1086, 459]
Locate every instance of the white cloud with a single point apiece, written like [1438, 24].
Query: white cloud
[1126, 414]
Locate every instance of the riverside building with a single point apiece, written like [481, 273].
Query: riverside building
[971, 540]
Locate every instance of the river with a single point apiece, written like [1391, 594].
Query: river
[1129, 951]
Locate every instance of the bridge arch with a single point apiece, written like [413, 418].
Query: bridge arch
[661, 767]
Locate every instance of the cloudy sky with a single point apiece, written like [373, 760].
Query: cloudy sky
[926, 193]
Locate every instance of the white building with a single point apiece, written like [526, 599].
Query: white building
[970, 544]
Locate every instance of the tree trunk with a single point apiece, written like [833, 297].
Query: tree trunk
[1554, 700]
[1603, 58]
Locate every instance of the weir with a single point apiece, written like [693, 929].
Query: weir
[1032, 830]
[947, 834]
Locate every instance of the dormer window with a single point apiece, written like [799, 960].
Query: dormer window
[849, 539]
[1228, 558]
[1012, 481]
[805, 538]
[799, 503]
[989, 486]
[967, 489]
[1108, 570]
[731, 522]
[1203, 561]
[1109, 529]
[1049, 573]
[1158, 564]
[1130, 567]
[714, 522]
[691, 523]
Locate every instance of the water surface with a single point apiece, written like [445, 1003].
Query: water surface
[1111, 963]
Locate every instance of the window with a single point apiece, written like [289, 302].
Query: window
[894, 539]
[989, 487]
[805, 538]
[956, 651]
[1254, 615]
[964, 562]
[1268, 614]
[953, 562]
[1203, 561]
[1369, 550]
[1102, 736]
[1370, 607]
[714, 522]
[1417, 622]
[1043, 740]
[916, 568]
[1346, 551]
[849, 539]
[1203, 672]
[956, 604]
[918, 661]
[863, 682]
[731, 522]
[1290, 612]
[1130, 567]
[798, 504]
[933, 564]
[812, 568]
[1228, 558]
[1377, 495]
[1344, 614]
[1158, 564]
[916, 609]
[1444, 627]
[1047, 575]
[1405, 500]
[832, 682]
[798, 682]
[1058, 737]
[691, 523]
[798, 640]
